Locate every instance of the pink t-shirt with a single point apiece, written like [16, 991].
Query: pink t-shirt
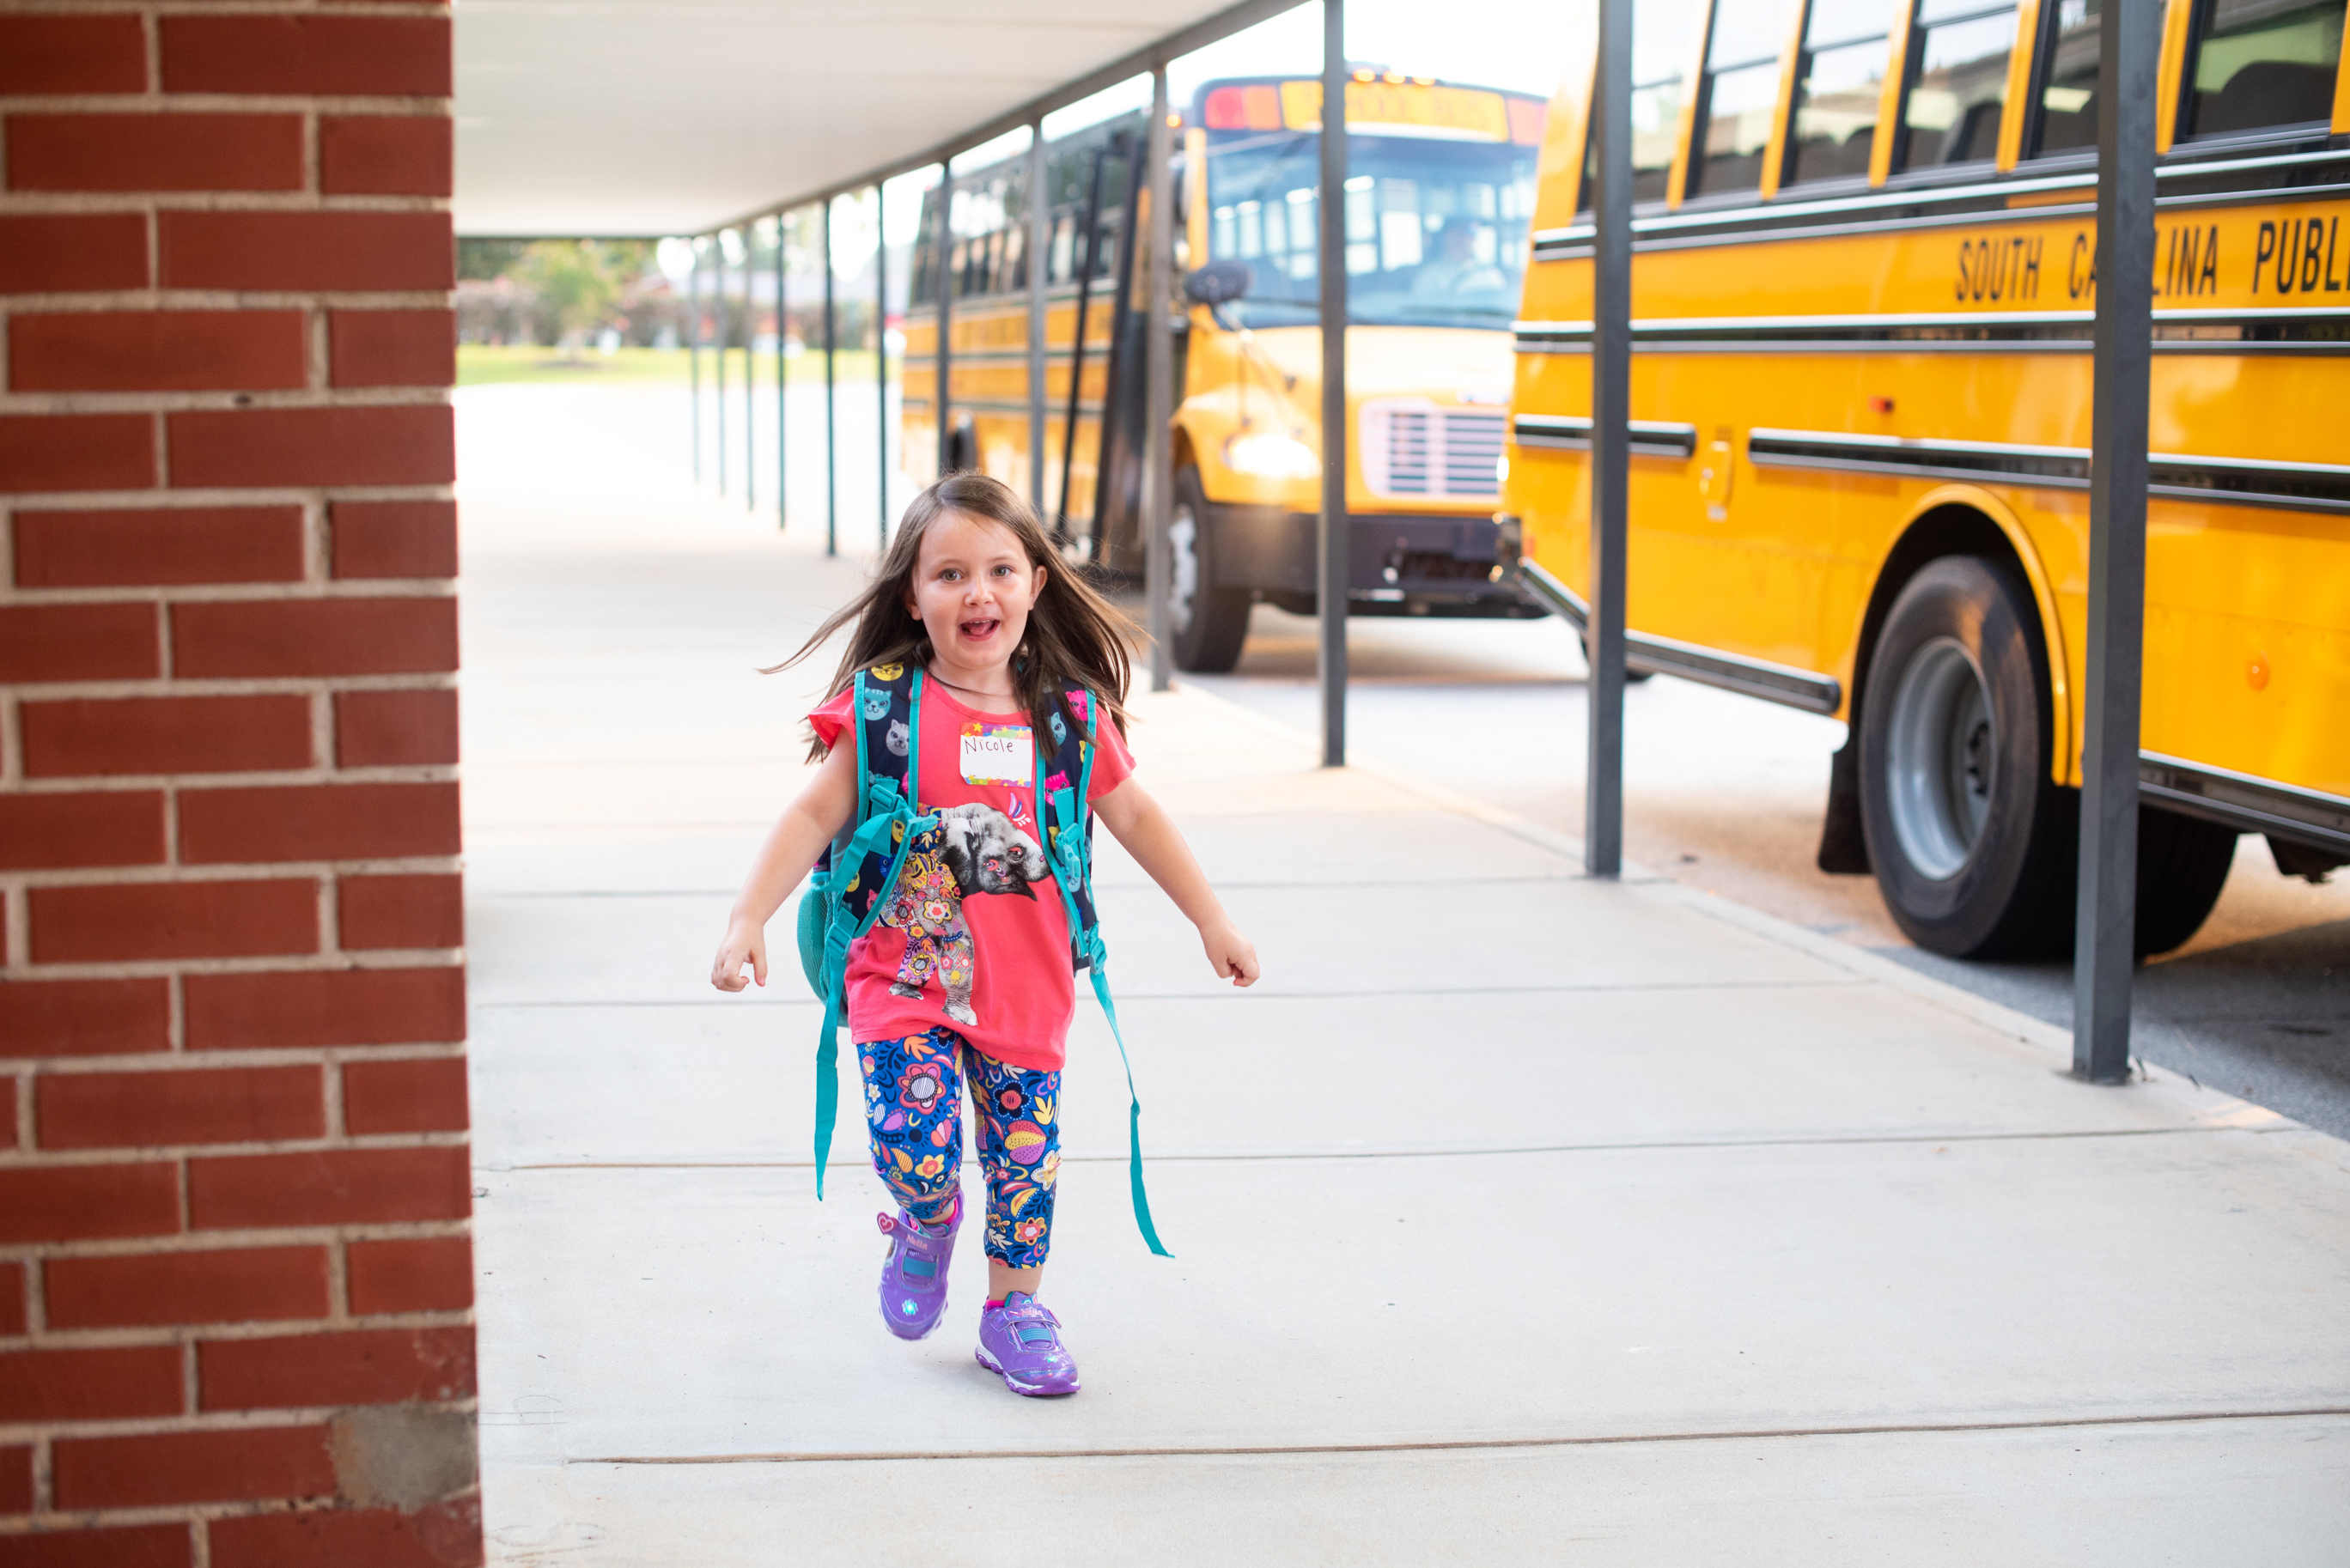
[994, 966]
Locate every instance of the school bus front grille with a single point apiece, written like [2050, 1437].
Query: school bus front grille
[1413, 450]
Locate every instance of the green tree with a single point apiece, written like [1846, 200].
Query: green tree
[481, 260]
[580, 282]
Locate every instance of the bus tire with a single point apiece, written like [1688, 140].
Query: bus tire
[1972, 844]
[2182, 864]
[1207, 624]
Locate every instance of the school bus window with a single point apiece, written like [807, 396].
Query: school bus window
[2260, 64]
[1742, 96]
[2068, 88]
[1656, 127]
[1362, 226]
[1958, 83]
[1105, 249]
[1660, 46]
[1841, 83]
[1436, 228]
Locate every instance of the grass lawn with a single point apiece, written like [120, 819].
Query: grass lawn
[480, 364]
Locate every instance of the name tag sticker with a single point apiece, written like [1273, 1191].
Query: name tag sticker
[998, 754]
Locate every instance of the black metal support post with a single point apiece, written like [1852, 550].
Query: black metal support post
[751, 367]
[1158, 369]
[945, 238]
[2130, 40]
[831, 434]
[1336, 572]
[1086, 267]
[693, 357]
[882, 361]
[718, 325]
[1040, 211]
[1611, 412]
[782, 368]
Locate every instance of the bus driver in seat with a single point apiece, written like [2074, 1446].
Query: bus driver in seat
[1455, 269]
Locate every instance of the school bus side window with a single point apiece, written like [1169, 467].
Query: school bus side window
[1956, 72]
[1840, 82]
[925, 282]
[1661, 32]
[2068, 80]
[1742, 96]
[2259, 64]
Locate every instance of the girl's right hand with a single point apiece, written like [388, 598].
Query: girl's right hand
[744, 944]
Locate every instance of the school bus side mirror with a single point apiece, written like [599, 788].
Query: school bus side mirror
[1219, 283]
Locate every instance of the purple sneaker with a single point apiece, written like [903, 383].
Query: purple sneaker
[1021, 1342]
[914, 1278]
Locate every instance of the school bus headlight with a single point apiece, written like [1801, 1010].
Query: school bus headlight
[1269, 456]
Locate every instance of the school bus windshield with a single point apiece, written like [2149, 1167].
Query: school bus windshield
[1435, 230]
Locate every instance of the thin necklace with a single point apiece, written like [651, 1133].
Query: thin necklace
[971, 691]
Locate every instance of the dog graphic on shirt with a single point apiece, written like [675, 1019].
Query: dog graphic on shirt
[974, 849]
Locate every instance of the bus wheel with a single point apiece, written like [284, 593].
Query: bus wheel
[1973, 845]
[2182, 864]
[1206, 624]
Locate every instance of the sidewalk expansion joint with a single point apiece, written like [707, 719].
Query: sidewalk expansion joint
[1828, 1140]
[1562, 878]
[1602, 1439]
[1830, 982]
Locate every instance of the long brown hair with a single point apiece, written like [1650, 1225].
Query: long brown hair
[1075, 637]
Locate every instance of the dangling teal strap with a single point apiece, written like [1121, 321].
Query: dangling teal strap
[1133, 1113]
[886, 808]
[839, 932]
[828, 1089]
[1073, 853]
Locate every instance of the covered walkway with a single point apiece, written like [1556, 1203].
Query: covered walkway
[1516, 1214]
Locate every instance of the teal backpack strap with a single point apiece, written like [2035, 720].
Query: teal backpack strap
[1071, 837]
[856, 887]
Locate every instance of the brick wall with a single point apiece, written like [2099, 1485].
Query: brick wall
[235, 1285]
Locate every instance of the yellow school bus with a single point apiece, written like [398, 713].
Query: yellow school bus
[1440, 203]
[973, 241]
[1863, 296]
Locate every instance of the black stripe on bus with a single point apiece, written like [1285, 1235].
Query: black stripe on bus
[1572, 432]
[2297, 486]
[2221, 182]
[1090, 408]
[2244, 802]
[1778, 683]
[2287, 331]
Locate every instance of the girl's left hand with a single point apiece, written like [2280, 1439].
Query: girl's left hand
[1232, 954]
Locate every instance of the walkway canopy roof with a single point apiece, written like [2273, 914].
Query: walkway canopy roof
[666, 116]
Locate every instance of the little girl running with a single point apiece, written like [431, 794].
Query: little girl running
[965, 975]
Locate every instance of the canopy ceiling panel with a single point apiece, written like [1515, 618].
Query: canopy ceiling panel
[657, 117]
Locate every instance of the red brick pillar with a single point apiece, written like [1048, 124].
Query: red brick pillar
[236, 1291]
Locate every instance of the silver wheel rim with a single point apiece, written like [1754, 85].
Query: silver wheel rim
[1183, 566]
[1944, 756]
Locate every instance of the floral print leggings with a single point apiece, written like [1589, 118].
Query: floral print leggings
[913, 1104]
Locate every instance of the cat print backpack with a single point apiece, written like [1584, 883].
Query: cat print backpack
[853, 881]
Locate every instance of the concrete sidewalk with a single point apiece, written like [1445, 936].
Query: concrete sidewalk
[1516, 1217]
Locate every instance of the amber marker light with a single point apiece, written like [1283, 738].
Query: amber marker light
[2256, 673]
[1880, 405]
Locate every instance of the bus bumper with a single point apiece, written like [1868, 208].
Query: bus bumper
[1399, 563]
